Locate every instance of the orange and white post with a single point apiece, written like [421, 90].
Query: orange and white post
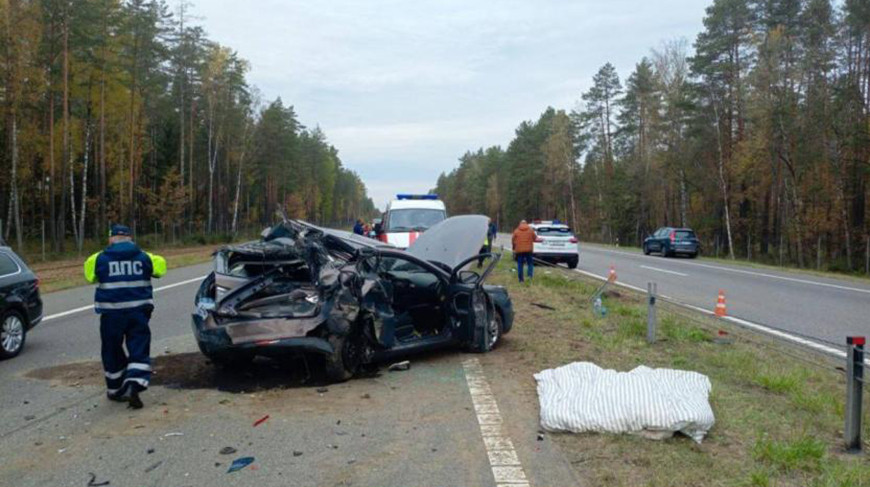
[720, 304]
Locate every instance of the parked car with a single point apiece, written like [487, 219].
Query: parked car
[555, 243]
[670, 241]
[408, 216]
[354, 300]
[20, 304]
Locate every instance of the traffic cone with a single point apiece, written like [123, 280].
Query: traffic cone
[720, 304]
[612, 275]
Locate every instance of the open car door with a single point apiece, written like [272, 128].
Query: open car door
[471, 309]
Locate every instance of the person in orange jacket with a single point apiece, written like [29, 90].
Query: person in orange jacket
[523, 242]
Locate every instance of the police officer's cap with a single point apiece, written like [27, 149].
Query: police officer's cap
[120, 230]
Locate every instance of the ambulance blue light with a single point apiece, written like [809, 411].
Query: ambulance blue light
[417, 196]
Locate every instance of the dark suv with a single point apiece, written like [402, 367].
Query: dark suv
[670, 241]
[20, 304]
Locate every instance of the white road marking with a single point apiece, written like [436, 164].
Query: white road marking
[665, 271]
[91, 306]
[751, 273]
[506, 467]
[739, 321]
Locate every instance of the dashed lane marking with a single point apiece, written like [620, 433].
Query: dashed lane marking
[507, 471]
[91, 306]
[750, 273]
[664, 270]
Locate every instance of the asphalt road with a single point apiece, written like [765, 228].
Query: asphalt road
[824, 308]
[413, 428]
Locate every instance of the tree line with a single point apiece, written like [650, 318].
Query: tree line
[758, 139]
[125, 111]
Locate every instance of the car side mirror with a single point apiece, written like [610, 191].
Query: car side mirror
[468, 277]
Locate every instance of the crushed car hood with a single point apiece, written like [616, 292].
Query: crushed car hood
[451, 241]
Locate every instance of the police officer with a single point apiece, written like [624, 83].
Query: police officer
[124, 301]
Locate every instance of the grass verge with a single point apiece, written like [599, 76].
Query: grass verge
[68, 273]
[779, 410]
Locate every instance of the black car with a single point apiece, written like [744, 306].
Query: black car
[670, 241]
[20, 304]
[349, 298]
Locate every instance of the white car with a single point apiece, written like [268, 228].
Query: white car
[555, 243]
[408, 216]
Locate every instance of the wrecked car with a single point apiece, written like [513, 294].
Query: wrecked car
[353, 300]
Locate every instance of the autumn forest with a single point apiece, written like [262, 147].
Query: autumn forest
[125, 111]
[756, 134]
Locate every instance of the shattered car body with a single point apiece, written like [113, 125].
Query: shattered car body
[354, 300]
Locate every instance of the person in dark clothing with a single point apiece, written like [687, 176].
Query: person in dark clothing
[487, 243]
[124, 300]
[358, 228]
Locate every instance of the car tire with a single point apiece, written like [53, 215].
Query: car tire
[645, 249]
[572, 264]
[345, 360]
[13, 334]
[693, 255]
[496, 329]
[231, 360]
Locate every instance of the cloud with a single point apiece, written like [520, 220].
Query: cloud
[405, 88]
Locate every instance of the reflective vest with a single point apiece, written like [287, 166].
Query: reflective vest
[124, 274]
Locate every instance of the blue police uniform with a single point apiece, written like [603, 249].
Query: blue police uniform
[124, 300]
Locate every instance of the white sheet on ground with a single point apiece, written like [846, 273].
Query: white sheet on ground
[583, 397]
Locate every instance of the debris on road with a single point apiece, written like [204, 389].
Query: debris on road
[227, 450]
[722, 338]
[261, 420]
[93, 481]
[149, 451]
[297, 453]
[154, 466]
[654, 403]
[544, 306]
[366, 396]
[174, 433]
[240, 463]
[400, 366]
[322, 390]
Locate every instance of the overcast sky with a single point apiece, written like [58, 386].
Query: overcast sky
[403, 88]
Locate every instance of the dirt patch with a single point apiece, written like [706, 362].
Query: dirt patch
[195, 371]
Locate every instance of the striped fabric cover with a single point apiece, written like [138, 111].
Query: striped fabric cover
[583, 397]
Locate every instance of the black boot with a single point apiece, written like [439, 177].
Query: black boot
[134, 401]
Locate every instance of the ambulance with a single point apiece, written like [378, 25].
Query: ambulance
[408, 216]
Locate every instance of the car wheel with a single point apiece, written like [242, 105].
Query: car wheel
[12, 334]
[572, 264]
[231, 360]
[645, 249]
[345, 359]
[494, 329]
[693, 255]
